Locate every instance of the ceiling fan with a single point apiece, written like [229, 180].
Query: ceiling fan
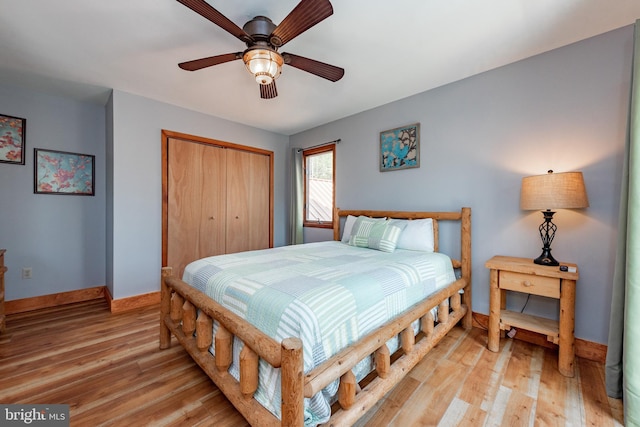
[263, 39]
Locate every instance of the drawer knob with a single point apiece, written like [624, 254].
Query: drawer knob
[526, 283]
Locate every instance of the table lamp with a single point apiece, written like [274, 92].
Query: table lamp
[552, 191]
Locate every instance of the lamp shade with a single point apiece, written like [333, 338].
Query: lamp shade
[553, 191]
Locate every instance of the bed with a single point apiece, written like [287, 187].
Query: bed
[348, 325]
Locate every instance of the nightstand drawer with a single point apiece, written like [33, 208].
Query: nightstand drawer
[530, 284]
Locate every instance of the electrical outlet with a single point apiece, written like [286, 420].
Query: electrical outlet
[26, 272]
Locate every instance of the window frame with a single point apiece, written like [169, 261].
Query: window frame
[308, 153]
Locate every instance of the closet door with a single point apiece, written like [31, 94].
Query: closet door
[196, 187]
[248, 198]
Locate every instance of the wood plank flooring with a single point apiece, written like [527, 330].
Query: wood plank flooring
[109, 369]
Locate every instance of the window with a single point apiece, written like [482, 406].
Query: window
[319, 186]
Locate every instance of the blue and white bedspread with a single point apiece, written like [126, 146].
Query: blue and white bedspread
[328, 293]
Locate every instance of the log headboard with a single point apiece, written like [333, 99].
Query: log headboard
[464, 216]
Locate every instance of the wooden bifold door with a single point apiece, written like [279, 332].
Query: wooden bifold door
[217, 199]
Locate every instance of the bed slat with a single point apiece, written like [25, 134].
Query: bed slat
[443, 311]
[224, 349]
[454, 301]
[248, 372]
[204, 332]
[188, 318]
[176, 307]
[407, 339]
[383, 361]
[427, 323]
[347, 390]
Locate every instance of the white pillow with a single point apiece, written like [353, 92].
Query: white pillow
[348, 226]
[417, 236]
[346, 231]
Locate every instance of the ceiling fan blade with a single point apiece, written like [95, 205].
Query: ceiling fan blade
[268, 91]
[205, 10]
[327, 71]
[198, 64]
[304, 16]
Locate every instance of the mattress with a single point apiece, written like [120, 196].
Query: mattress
[329, 294]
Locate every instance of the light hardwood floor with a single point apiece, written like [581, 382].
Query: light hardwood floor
[109, 369]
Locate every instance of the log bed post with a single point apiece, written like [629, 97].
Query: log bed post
[336, 223]
[465, 248]
[165, 309]
[292, 371]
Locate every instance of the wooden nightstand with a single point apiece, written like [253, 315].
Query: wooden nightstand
[522, 275]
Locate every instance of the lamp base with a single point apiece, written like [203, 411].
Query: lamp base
[547, 232]
[546, 258]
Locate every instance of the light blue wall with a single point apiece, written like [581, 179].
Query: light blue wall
[136, 186]
[563, 110]
[61, 237]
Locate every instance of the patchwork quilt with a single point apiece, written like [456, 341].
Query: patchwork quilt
[327, 293]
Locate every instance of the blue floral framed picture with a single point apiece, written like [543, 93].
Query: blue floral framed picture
[60, 172]
[12, 134]
[400, 148]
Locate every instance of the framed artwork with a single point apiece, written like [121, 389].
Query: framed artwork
[400, 148]
[59, 172]
[12, 131]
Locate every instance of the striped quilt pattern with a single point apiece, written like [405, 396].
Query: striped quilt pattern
[328, 293]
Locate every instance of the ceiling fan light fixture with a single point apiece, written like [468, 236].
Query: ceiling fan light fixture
[264, 64]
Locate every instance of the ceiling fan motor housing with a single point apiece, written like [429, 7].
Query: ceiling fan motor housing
[260, 28]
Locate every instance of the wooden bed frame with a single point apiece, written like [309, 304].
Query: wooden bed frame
[180, 304]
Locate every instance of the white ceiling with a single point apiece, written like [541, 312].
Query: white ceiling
[389, 50]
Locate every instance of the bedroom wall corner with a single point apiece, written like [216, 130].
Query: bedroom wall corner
[109, 195]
